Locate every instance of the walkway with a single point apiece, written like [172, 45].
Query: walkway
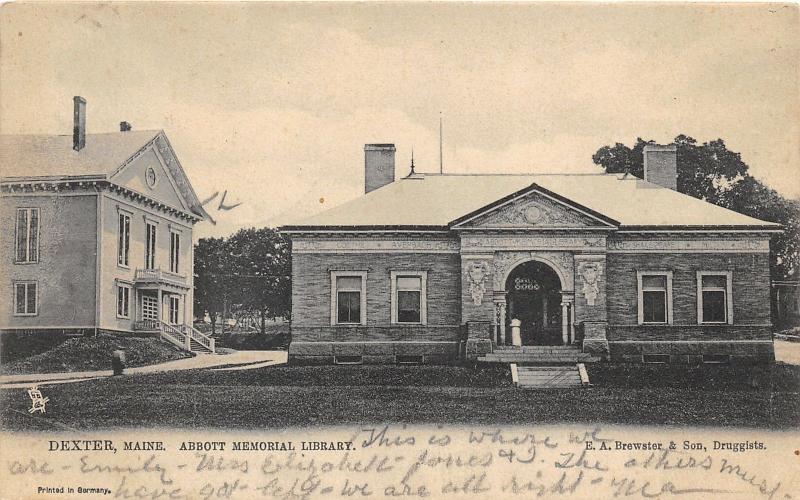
[235, 361]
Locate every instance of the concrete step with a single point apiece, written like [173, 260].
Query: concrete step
[535, 348]
[536, 359]
[547, 377]
[198, 347]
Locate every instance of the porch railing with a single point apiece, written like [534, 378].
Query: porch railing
[179, 335]
[199, 337]
[158, 275]
[174, 335]
[147, 325]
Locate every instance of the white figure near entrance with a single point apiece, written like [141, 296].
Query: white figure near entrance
[516, 336]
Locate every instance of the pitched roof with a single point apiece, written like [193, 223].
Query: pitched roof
[51, 157]
[438, 200]
[29, 156]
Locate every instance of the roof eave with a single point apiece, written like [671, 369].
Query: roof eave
[52, 178]
[715, 228]
[295, 229]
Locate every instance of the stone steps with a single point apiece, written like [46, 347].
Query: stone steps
[548, 377]
[537, 348]
[539, 358]
[198, 347]
[538, 355]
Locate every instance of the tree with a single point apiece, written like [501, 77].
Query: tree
[209, 284]
[260, 272]
[711, 172]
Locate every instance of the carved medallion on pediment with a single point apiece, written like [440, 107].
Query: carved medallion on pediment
[534, 210]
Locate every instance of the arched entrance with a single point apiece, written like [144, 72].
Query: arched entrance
[533, 296]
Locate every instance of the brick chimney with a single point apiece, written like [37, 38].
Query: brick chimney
[661, 165]
[79, 124]
[378, 166]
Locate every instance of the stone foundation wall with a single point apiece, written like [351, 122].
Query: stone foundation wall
[693, 352]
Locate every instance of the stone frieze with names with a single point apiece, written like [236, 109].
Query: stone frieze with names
[530, 242]
[694, 245]
[316, 245]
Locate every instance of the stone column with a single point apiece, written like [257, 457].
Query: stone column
[502, 320]
[565, 322]
[572, 322]
[568, 312]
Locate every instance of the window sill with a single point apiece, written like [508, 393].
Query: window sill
[25, 262]
[400, 323]
[25, 315]
[655, 323]
[122, 266]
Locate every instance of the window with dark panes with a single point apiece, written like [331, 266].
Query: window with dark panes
[409, 294]
[25, 299]
[123, 301]
[27, 233]
[124, 241]
[714, 298]
[654, 298]
[173, 310]
[348, 299]
[150, 246]
[174, 251]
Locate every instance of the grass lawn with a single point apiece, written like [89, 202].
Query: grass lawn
[276, 397]
[94, 353]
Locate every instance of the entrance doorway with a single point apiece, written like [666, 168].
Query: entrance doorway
[534, 298]
[149, 307]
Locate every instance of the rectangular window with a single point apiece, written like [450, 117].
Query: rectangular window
[409, 297]
[25, 298]
[150, 246]
[655, 297]
[714, 300]
[123, 301]
[348, 298]
[174, 251]
[124, 241]
[27, 231]
[173, 310]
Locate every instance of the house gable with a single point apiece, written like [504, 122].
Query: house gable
[148, 175]
[156, 172]
[534, 208]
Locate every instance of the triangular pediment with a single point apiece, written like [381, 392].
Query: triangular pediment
[534, 209]
[155, 172]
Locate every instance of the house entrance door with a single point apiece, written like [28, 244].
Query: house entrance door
[149, 307]
[534, 298]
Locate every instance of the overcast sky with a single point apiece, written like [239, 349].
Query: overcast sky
[274, 102]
